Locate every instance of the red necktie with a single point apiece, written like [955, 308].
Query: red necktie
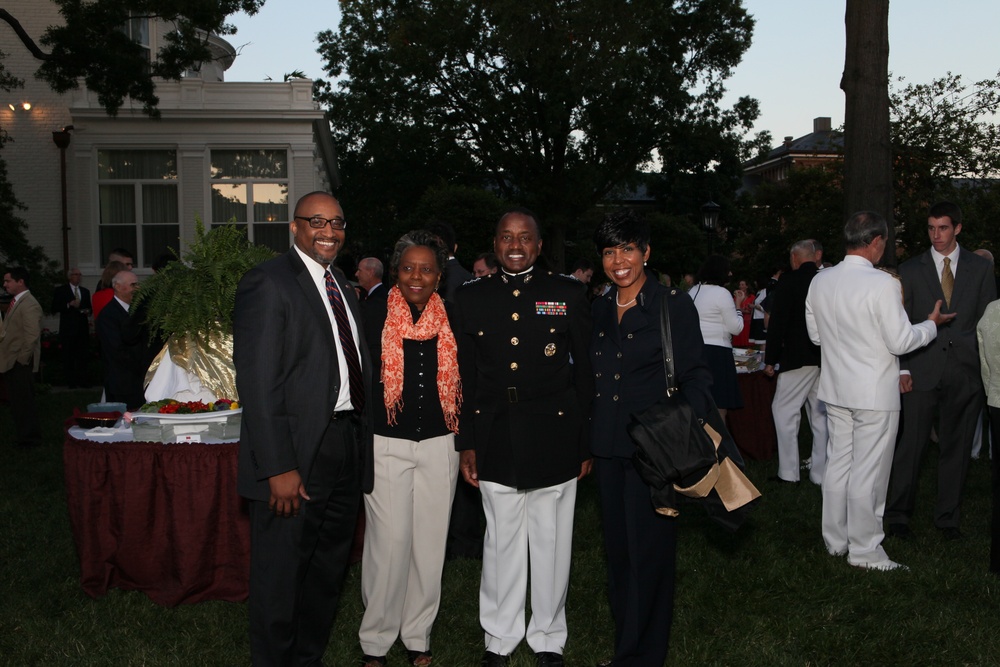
[346, 343]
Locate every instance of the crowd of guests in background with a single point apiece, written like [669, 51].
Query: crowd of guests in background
[437, 400]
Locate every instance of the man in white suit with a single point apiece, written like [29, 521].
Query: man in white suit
[854, 312]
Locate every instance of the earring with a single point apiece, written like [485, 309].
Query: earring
[645, 263]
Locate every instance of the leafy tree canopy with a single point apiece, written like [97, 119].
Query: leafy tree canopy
[946, 139]
[946, 146]
[556, 102]
[94, 46]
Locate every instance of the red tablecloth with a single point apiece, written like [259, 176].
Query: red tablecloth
[162, 519]
[752, 426]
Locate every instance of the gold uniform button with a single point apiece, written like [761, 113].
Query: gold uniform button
[513, 366]
[629, 336]
[615, 397]
[515, 317]
[517, 292]
[619, 355]
[477, 412]
[550, 349]
[479, 333]
[597, 375]
[600, 335]
[561, 413]
[514, 341]
[618, 376]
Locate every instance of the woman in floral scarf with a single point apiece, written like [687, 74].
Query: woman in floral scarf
[416, 465]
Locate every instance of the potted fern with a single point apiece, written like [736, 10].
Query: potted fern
[190, 304]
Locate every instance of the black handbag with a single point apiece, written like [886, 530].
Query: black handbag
[676, 452]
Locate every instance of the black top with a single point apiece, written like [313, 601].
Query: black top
[627, 360]
[788, 341]
[421, 416]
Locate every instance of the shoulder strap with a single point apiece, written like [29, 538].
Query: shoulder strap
[668, 345]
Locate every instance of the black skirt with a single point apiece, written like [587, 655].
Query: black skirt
[725, 389]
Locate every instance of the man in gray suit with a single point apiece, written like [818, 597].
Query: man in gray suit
[944, 375]
[304, 379]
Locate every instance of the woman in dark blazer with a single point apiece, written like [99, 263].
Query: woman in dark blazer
[627, 357]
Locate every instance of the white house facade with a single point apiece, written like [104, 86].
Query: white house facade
[220, 152]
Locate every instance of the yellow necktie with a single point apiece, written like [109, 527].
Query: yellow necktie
[947, 281]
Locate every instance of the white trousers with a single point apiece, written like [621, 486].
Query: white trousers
[406, 529]
[522, 527]
[856, 482]
[795, 388]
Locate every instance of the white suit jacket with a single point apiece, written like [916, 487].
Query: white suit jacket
[854, 312]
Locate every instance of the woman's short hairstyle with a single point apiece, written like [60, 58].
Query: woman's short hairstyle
[715, 271]
[621, 227]
[418, 237]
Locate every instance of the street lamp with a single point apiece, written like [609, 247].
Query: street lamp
[61, 139]
[710, 215]
[710, 220]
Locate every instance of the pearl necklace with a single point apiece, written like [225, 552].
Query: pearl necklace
[627, 303]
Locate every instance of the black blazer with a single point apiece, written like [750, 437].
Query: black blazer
[526, 379]
[73, 322]
[788, 341]
[124, 356]
[287, 373]
[455, 275]
[628, 362]
[956, 343]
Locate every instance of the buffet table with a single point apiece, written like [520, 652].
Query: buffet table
[164, 519]
[752, 426]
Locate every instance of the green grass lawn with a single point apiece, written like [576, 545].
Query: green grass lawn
[769, 595]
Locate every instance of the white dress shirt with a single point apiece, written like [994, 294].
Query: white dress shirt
[318, 274]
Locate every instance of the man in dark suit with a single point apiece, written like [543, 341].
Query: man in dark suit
[465, 531]
[527, 387]
[304, 378]
[369, 275]
[944, 375]
[455, 275]
[796, 359]
[72, 302]
[123, 349]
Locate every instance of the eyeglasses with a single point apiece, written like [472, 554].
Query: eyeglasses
[317, 222]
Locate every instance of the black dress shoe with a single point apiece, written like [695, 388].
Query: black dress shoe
[491, 659]
[901, 531]
[549, 659]
[951, 533]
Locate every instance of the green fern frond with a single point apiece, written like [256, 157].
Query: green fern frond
[196, 296]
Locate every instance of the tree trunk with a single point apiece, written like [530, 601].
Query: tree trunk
[867, 149]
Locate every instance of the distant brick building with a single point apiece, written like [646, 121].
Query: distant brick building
[821, 146]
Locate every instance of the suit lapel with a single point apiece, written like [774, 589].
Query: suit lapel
[932, 277]
[963, 280]
[311, 295]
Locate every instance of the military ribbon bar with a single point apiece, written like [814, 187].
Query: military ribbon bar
[550, 307]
